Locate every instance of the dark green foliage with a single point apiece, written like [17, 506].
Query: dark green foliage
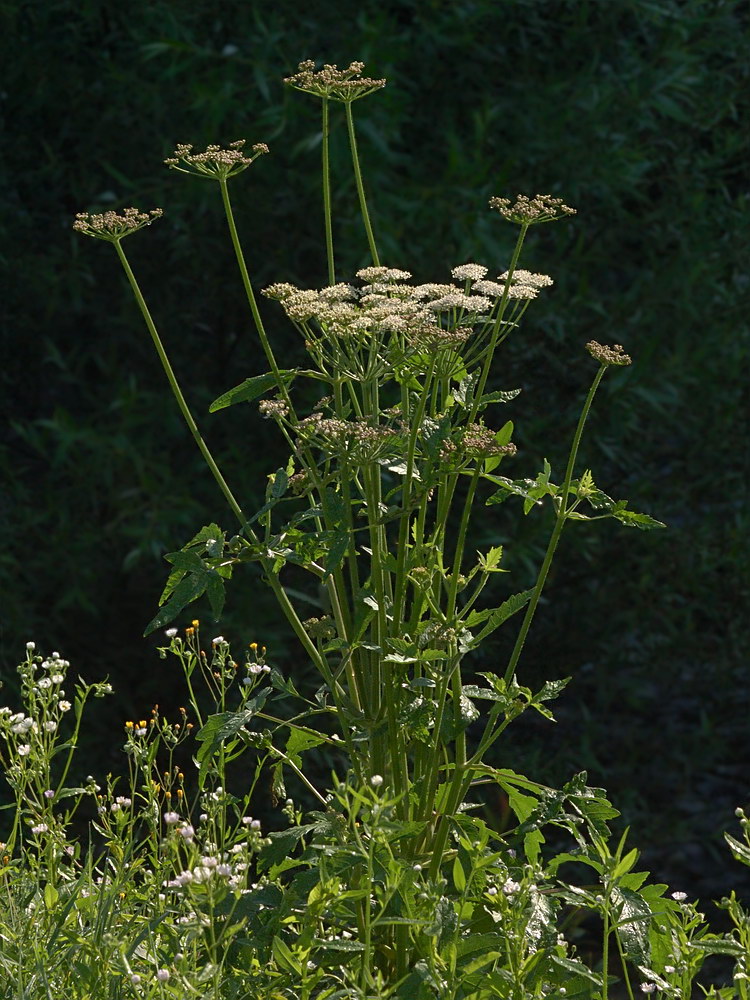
[634, 110]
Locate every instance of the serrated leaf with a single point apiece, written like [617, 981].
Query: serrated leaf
[501, 614]
[634, 520]
[498, 397]
[299, 741]
[491, 561]
[251, 388]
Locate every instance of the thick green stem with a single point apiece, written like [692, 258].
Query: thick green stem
[184, 409]
[327, 196]
[360, 185]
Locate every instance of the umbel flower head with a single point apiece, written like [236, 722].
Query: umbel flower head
[112, 227]
[608, 355]
[215, 163]
[345, 85]
[530, 211]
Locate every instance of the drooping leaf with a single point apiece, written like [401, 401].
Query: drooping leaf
[187, 591]
[216, 595]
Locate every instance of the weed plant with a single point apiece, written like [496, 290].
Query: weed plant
[391, 886]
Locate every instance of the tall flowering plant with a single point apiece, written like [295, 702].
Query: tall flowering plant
[375, 503]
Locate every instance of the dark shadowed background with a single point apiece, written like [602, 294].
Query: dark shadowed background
[635, 111]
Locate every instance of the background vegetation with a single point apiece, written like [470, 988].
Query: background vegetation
[634, 110]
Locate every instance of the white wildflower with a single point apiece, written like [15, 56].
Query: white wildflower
[469, 272]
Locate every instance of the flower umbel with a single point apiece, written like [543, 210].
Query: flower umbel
[530, 211]
[112, 227]
[215, 163]
[345, 85]
[608, 355]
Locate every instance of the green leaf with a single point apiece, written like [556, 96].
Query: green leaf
[281, 683]
[497, 397]
[334, 507]
[251, 388]
[51, 896]
[279, 484]
[336, 552]
[633, 520]
[490, 563]
[502, 437]
[282, 844]
[740, 851]
[187, 591]
[216, 595]
[187, 561]
[501, 614]
[223, 726]
[459, 875]
[633, 917]
[299, 741]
